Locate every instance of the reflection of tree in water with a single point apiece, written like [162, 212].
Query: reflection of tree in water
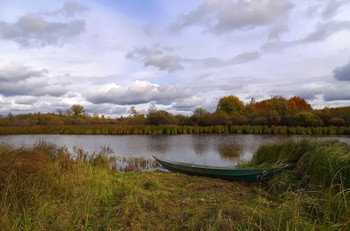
[158, 144]
[200, 146]
[230, 151]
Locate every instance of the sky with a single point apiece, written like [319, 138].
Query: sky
[178, 55]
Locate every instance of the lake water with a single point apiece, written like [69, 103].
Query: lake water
[208, 149]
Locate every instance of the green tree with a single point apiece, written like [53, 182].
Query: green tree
[200, 117]
[158, 117]
[134, 113]
[308, 119]
[68, 112]
[273, 117]
[77, 110]
[230, 104]
[336, 121]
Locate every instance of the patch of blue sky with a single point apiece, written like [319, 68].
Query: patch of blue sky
[142, 9]
[165, 79]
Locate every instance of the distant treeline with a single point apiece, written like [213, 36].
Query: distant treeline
[230, 112]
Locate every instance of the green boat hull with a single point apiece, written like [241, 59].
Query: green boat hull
[232, 174]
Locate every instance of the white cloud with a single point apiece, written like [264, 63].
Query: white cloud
[137, 93]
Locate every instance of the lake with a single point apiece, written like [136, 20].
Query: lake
[208, 149]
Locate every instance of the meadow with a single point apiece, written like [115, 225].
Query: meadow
[45, 187]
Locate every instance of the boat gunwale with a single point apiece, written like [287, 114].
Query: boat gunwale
[208, 167]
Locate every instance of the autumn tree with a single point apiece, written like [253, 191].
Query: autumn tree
[220, 118]
[230, 104]
[238, 119]
[297, 103]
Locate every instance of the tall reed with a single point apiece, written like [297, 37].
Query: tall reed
[316, 193]
[113, 129]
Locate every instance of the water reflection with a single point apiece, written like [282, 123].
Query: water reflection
[158, 143]
[230, 151]
[200, 144]
[210, 149]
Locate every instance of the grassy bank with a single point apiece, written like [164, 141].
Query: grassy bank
[45, 187]
[106, 129]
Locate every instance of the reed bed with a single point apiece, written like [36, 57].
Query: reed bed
[317, 189]
[107, 129]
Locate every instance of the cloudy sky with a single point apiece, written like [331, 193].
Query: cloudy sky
[109, 55]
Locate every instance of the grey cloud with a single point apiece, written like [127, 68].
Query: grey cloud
[245, 57]
[138, 93]
[308, 94]
[32, 89]
[171, 63]
[324, 30]
[327, 90]
[276, 46]
[321, 32]
[15, 73]
[157, 58]
[332, 7]
[277, 30]
[218, 62]
[27, 100]
[33, 30]
[105, 108]
[312, 10]
[70, 9]
[337, 93]
[23, 80]
[342, 73]
[221, 16]
[188, 104]
[117, 110]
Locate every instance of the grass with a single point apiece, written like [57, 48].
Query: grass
[323, 163]
[45, 187]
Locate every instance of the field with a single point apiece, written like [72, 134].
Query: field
[45, 187]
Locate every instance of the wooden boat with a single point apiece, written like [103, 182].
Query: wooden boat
[233, 174]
